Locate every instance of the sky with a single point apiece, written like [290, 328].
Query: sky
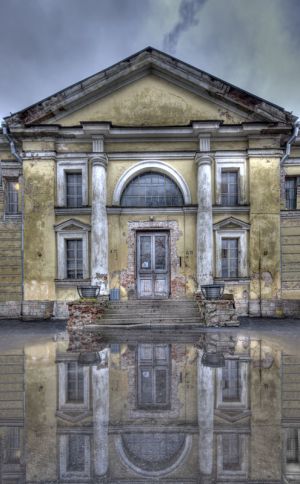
[47, 45]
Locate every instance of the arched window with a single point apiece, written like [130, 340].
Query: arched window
[152, 189]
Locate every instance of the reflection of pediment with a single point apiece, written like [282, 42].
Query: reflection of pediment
[230, 416]
[72, 225]
[231, 223]
[153, 453]
[72, 416]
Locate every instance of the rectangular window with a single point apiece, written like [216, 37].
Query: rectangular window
[75, 383]
[292, 446]
[153, 375]
[229, 258]
[12, 195]
[291, 193]
[231, 388]
[76, 453]
[231, 452]
[74, 259]
[12, 451]
[229, 188]
[74, 189]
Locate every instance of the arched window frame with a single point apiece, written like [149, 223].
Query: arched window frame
[154, 166]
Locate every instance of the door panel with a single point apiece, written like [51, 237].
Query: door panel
[152, 265]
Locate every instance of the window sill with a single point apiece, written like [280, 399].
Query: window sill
[235, 280]
[12, 217]
[72, 282]
[231, 208]
[72, 210]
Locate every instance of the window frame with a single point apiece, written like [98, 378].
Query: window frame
[63, 403]
[72, 230]
[233, 474]
[78, 190]
[237, 197]
[242, 237]
[231, 161]
[64, 473]
[297, 183]
[229, 259]
[242, 403]
[8, 183]
[72, 166]
[76, 259]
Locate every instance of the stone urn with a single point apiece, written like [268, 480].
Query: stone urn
[212, 291]
[88, 291]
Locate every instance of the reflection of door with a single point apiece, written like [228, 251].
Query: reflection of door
[152, 264]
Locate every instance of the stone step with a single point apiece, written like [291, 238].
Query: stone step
[153, 314]
[133, 321]
[156, 305]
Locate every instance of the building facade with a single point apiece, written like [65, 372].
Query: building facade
[151, 177]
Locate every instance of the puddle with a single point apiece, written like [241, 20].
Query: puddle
[154, 406]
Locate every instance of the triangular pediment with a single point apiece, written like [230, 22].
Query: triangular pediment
[231, 223]
[150, 88]
[72, 225]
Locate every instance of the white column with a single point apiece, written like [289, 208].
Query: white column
[205, 402]
[204, 220]
[99, 245]
[100, 382]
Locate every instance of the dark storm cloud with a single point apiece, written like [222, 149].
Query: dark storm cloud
[46, 45]
[188, 10]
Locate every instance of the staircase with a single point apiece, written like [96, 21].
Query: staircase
[167, 312]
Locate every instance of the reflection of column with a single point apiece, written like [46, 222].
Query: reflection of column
[100, 387]
[205, 392]
[204, 221]
[99, 249]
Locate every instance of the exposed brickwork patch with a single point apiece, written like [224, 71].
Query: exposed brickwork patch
[217, 312]
[81, 315]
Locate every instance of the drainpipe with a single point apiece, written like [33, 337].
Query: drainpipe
[16, 154]
[291, 140]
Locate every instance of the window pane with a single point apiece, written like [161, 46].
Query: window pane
[291, 193]
[74, 382]
[74, 259]
[152, 190]
[231, 452]
[11, 198]
[12, 451]
[292, 446]
[229, 258]
[231, 381]
[154, 375]
[161, 383]
[229, 188]
[160, 252]
[146, 385]
[76, 453]
[74, 189]
[145, 252]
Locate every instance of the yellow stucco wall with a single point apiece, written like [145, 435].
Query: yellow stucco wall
[152, 101]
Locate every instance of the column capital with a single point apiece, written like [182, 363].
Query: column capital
[203, 158]
[99, 159]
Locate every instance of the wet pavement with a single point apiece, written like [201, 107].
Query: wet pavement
[200, 406]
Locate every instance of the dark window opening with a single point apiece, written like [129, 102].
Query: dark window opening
[292, 447]
[12, 451]
[153, 376]
[74, 190]
[229, 258]
[12, 197]
[74, 259]
[231, 388]
[75, 383]
[291, 193]
[231, 452]
[229, 188]
[76, 453]
[152, 190]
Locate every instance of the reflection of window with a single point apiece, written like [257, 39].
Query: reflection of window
[74, 189]
[231, 452]
[229, 257]
[152, 190]
[74, 259]
[231, 391]
[75, 382]
[12, 205]
[292, 446]
[229, 188]
[12, 450]
[75, 459]
[153, 376]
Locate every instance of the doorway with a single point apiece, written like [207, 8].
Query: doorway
[153, 273]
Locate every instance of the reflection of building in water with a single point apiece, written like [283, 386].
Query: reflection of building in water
[291, 417]
[151, 412]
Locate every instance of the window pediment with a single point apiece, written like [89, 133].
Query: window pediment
[72, 225]
[231, 223]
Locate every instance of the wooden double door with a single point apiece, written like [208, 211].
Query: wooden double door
[153, 272]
